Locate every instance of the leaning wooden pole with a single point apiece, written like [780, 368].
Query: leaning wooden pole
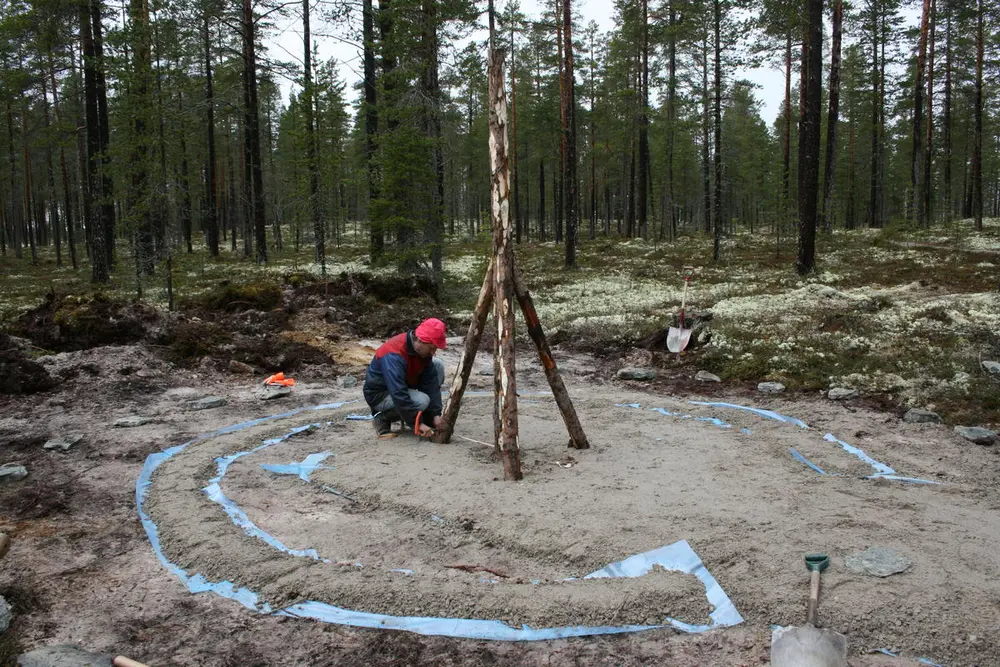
[504, 384]
[577, 438]
[472, 339]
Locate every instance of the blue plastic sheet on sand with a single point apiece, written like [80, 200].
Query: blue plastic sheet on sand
[923, 661]
[795, 453]
[882, 471]
[769, 414]
[214, 492]
[197, 583]
[302, 469]
[678, 556]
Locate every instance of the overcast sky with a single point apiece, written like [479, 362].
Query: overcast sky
[287, 45]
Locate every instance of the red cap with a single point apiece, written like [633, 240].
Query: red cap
[431, 331]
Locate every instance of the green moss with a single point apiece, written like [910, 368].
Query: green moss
[234, 297]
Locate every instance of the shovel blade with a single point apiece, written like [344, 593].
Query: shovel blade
[807, 646]
[677, 339]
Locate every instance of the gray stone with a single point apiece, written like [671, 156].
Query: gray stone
[770, 387]
[11, 472]
[268, 393]
[705, 376]
[841, 393]
[6, 615]
[131, 421]
[62, 656]
[347, 381]
[636, 374]
[878, 562]
[207, 403]
[240, 367]
[64, 443]
[977, 434]
[485, 371]
[918, 416]
[992, 367]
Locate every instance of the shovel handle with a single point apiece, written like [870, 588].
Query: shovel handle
[813, 607]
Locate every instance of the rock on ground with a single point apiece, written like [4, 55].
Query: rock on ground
[636, 374]
[10, 472]
[841, 393]
[977, 434]
[64, 443]
[878, 562]
[770, 387]
[6, 616]
[131, 421]
[62, 656]
[992, 367]
[705, 376]
[207, 403]
[269, 393]
[918, 416]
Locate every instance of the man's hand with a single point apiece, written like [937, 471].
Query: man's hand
[426, 431]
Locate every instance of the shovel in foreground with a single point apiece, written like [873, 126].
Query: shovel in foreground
[809, 646]
[678, 337]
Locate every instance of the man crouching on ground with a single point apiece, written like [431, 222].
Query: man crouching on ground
[403, 382]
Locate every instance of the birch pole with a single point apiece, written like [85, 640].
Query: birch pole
[472, 339]
[504, 384]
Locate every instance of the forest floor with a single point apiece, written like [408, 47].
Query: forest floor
[905, 318]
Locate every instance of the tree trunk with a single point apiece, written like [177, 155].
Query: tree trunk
[251, 130]
[138, 201]
[642, 194]
[308, 108]
[569, 140]
[431, 86]
[717, 210]
[927, 194]
[67, 190]
[826, 214]
[706, 177]
[106, 203]
[505, 384]
[51, 173]
[786, 164]
[809, 136]
[376, 246]
[977, 137]
[669, 205]
[949, 204]
[918, 139]
[100, 268]
[516, 208]
[30, 216]
[211, 177]
[875, 197]
[541, 200]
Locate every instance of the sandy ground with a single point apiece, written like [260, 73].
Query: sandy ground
[82, 571]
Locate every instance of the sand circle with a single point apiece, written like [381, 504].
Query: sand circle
[405, 527]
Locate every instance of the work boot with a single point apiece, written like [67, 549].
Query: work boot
[383, 426]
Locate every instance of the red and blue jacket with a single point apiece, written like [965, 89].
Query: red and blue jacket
[397, 368]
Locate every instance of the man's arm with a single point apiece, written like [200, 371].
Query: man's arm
[428, 381]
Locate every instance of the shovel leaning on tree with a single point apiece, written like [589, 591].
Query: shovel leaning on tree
[678, 337]
[809, 646]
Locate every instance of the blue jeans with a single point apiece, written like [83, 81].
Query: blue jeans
[419, 398]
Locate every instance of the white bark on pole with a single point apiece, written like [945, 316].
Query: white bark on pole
[505, 386]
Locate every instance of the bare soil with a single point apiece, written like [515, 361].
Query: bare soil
[82, 571]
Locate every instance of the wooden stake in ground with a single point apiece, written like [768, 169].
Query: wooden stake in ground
[504, 282]
[504, 385]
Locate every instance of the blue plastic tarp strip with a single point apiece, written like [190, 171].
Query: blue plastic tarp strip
[794, 452]
[302, 469]
[882, 471]
[769, 414]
